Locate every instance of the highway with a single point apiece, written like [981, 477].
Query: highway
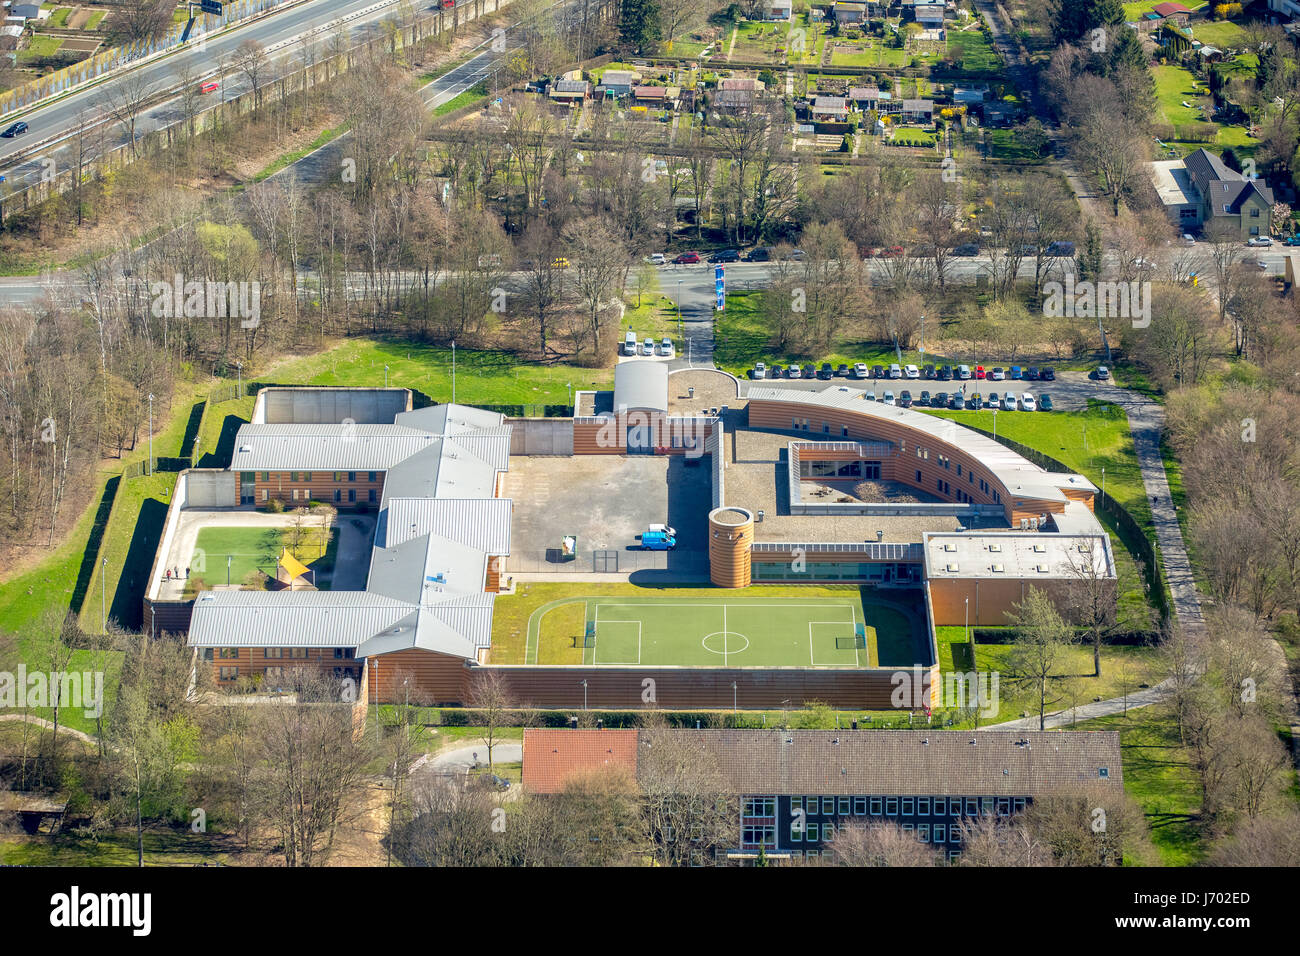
[52, 126]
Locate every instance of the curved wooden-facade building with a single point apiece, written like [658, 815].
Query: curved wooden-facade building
[731, 538]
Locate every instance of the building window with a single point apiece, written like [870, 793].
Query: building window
[760, 807]
[796, 831]
[811, 803]
[813, 833]
[859, 806]
[972, 807]
[753, 835]
[338, 496]
[918, 476]
[876, 804]
[891, 806]
[908, 828]
[1004, 806]
[298, 653]
[844, 431]
[306, 477]
[909, 806]
[923, 806]
[228, 653]
[828, 806]
[844, 806]
[274, 673]
[352, 496]
[923, 832]
[263, 494]
[828, 833]
[371, 496]
[229, 673]
[940, 833]
[1019, 804]
[345, 653]
[273, 653]
[295, 494]
[796, 803]
[1254, 213]
[374, 476]
[352, 476]
[986, 805]
[338, 476]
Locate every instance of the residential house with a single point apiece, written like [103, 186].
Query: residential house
[654, 96]
[1200, 191]
[864, 97]
[928, 13]
[967, 97]
[28, 11]
[1288, 8]
[1174, 13]
[796, 791]
[918, 111]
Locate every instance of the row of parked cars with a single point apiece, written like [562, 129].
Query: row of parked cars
[757, 254]
[973, 402]
[941, 373]
[664, 348]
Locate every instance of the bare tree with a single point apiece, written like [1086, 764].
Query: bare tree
[882, 844]
[1038, 654]
[490, 695]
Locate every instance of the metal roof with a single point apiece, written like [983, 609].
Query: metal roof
[292, 618]
[641, 384]
[325, 447]
[482, 523]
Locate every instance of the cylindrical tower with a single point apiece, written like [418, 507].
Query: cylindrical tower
[731, 535]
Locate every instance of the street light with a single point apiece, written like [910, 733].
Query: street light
[385, 376]
[995, 423]
[227, 570]
[583, 682]
[453, 371]
[1103, 482]
[151, 433]
[734, 705]
[239, 375]
[569, 386]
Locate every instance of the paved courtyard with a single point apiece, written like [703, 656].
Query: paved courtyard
[607, 501]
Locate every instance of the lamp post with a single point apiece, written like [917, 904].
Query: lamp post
[584, 693]
[1103, 482]
[239, 377]
[228, 570]
[151, 433]
[385, 376]
[570, 388]
[453, 371]
[995, 424]
[734, 699]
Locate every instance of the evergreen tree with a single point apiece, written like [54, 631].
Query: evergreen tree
[1073, 19]
[638, 25]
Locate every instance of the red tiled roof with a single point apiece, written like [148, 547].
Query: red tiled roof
[1168, 9]
[553, 756]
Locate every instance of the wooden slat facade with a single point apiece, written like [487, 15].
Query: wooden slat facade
[296, 488]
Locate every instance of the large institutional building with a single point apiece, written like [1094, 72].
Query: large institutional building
[962, 519]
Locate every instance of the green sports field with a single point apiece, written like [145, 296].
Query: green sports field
[253, 549]
[723, 631]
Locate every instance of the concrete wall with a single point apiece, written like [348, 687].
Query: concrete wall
[541, 436]
[330, 406]
[211, 488]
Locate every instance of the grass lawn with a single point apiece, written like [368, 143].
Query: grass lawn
[1159, 776]
[161, 848]
[976, 53]
[59, 18]
[1173, 86]
[252, 550]
[1006, 144]
[726, 630]
[909, 136]
[287, 159]
[473, 95]
[41, 45]
[872, 56]
[96, 19]
[1218, 33]
[482, 377]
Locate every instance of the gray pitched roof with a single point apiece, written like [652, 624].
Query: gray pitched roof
[952, 763]
[1224, 190]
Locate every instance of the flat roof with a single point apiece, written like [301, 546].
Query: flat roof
[1027, 556]
[641, 384]
[1173, 185]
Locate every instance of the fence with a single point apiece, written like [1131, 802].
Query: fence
[60, 81]
[27, 196]
[1131, 533]
[692, 564]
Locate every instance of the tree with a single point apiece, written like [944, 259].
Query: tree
[639, 24]
[1091, 826]
[1038, 653]
[1094, 595]
[600, 263]
[988, 840]
[125, 100]
[688, 807]
[490, 695]
[862, 845]
[1258, 841]
[251, 59]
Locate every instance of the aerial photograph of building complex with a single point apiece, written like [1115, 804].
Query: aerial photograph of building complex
[649, 433]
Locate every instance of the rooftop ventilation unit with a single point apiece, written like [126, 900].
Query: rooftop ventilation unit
[952, 567]
[1040, 549]
[995, 546]
[997, 569]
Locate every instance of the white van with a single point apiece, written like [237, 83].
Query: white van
[629, 344]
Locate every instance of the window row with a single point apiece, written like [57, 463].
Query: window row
[904, 806]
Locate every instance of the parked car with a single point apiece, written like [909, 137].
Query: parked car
[725, 255]
[998, 374]
[964, 373]
[927, 371]
[904, 399]
[648, 346]
[759, 254]
[994, 400]
[889, 398]
[956, 402]
[666, 347]
[211, 86]
[1259, 241]
[980, 372]
[877, 371]
[895, 370]
[841, 371]
[1291, 241]
[1189, 239]
[1027, 402]
[869, 397]
[1017, 372]
[1047, 374]
[1102, 373]
[826, 371]
[794, 255]
[774, 371]
[793, 372]
[967, 249]
[662, 529]
[760, 371]
[1060, 248]
[975, 401]
[657, 541]
[911, 371]
[687, 259]
[810, 370]
[939, 400]
[945, 374]
[1044, 402]
[1031, 373]
[860, 370]
[923, 398]
[657, 259]
[17, 129]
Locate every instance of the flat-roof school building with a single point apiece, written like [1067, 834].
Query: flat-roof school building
[805, 487]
